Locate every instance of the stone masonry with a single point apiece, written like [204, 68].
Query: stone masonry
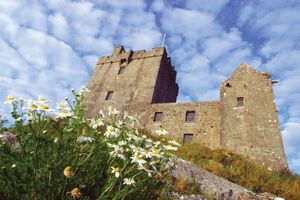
[245, 120]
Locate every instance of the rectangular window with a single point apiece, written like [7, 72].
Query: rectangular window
[190, 116]
[158, 116]
[109, 95]
[240, 101]
[121, 70]
[188, 138]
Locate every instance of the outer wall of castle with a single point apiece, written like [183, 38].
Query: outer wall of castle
[142, 83]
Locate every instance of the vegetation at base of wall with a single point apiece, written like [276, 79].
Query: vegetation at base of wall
[56, 154]
[242, 171]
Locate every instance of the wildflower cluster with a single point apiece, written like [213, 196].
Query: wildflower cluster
[133, 156]
[56, 153]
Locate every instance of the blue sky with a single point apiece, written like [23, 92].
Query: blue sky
[48, 47]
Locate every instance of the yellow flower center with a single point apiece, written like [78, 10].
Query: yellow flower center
[119, 152]
[83, 133]
[10, 98]
[157, 152]
[40, 99]
[33, 106]
[45, 107]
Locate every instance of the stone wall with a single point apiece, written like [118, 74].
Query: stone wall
[205, 128]
[251, 128]
[166, 88]
[133, 89]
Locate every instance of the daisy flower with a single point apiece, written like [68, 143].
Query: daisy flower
[115, 171]
[138, 159]
[32, 106]
[10, 100]
[170, 147]
[161, 132]
[112, 112]
[174, 142]
[95, 123]
[128, 181]
[85, 139]
[118, 152]
[112, 132]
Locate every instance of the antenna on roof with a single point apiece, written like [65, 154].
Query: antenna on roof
[163, 41]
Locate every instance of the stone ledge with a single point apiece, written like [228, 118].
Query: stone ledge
[214, 187]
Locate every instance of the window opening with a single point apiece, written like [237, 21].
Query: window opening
[109, 95]
[190, 116]
[158, 116]
[188, 138]
[240, 101]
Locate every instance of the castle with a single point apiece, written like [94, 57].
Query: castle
[142, 83]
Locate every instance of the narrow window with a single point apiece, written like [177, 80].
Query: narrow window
[123, 60]
[158, 116]
[121, 70]
[109, 95]
[188, 138]
[190, 116]
[228, 85]
[240, 101]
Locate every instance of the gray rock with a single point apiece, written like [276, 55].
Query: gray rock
[212, 186]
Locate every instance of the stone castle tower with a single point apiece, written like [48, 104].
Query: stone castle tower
[144, 84]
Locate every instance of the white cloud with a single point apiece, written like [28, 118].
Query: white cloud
[191, 24]
[59, 26]
[207, 5]
[215, 47]
[158, 6]
[291, 138]
[196, 78]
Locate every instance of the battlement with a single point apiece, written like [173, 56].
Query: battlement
[143, 83]
[120, 55]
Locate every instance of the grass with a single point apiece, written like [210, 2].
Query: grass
[242, 171]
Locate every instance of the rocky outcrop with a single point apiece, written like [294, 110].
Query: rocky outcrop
[211, 186]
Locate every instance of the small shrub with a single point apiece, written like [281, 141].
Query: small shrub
[185, 185]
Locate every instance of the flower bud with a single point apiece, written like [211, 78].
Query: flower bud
[68, 172]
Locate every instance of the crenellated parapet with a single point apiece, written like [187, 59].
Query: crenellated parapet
[120, 55]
